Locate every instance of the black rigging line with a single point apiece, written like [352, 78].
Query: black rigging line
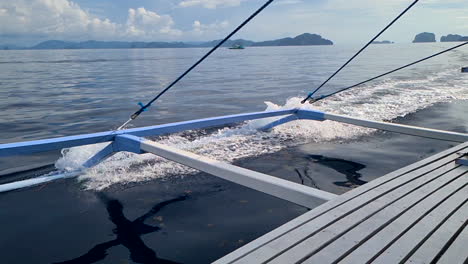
[361, 50]
[392, 71]
[144, 107]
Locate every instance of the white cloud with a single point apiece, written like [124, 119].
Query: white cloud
[211, 4]
[145, 23]
[199, 28]
[64, 19]
[51, 17]
[342, 21]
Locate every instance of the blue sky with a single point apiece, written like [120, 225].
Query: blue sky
[27, 22]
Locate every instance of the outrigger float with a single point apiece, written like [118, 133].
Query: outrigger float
[418, 213]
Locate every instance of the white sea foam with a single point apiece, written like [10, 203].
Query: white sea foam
[386, 100]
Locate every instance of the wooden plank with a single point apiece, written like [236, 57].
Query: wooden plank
[287, 190]
[346, 241]
[288, 240]
[29, 147]
[434, 245]
[404, 245]
[402, 129]
[407, 194]
[375, 245]
[422, 166]
[457, 252]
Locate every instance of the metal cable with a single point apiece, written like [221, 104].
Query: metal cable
[359, 52]
[144, 107]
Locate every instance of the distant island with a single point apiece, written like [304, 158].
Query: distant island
[301, 40]
[431, 37]
[453, 38]
[424, 37]
[383, 42]
[305, 39]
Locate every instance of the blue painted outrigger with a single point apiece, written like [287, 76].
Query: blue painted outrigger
[132, 140]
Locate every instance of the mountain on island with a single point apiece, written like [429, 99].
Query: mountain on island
[424, 37]
[301, 40]
[453, 38]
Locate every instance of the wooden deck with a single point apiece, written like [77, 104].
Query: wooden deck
[417, 214]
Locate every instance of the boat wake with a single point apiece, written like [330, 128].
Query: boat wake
[386, 100]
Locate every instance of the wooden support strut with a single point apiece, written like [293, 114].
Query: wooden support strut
[287, 190]
[122, 140]
[402, 129]
[283, 189]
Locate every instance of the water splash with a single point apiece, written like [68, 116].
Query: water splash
[386, 100]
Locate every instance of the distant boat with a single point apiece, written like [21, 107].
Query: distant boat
[237, 47]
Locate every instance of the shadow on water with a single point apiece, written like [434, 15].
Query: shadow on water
[348, 168]
[128, 234]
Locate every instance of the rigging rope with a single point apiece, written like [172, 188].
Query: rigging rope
[359, 52]
[392, 71]
[145, 107]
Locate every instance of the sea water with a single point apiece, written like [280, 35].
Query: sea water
[65, 92]
[54, 93]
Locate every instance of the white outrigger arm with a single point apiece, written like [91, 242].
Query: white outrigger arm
[132, 140]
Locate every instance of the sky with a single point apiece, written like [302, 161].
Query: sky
[28, 22]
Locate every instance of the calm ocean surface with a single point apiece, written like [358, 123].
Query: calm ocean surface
[64, 92]
[54, 93]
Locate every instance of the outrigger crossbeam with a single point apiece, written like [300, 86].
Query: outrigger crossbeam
[132, 140]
